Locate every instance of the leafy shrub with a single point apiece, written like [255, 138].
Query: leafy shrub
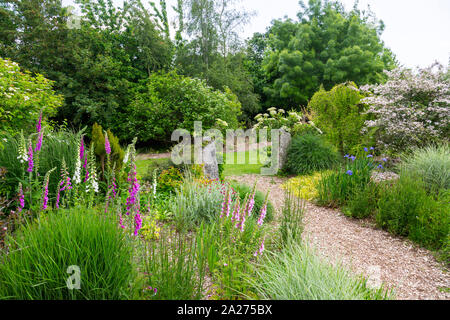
[309, 153]
[170, 180]
[431, 164]
[298, 273]
[406, 209]
[158, 166]
[242, 190]
[336, 188]
[41, 252]
[340, 115]
[411, 109]
[173, 268]
[166, 102]
[23, 97]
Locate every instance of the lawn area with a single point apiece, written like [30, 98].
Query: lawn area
[242, 163]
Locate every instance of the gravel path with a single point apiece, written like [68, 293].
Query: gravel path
[412, 271]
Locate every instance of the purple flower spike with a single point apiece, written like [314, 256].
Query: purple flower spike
[82, 149]
[30, 158]
[138, 221]
[38, 125]
[39, 142]
[21, 199]
[107, 145]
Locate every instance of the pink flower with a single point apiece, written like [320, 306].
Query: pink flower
[30, 158]
[45, 196]
[82, 150]
[236, 212]
[138, 223]
[107, 145]
[262, 215]
[260, 250]
[21, 198]
[121, 221]
[39, 142]
[38, 125]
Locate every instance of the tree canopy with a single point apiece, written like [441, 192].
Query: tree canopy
[325, 47]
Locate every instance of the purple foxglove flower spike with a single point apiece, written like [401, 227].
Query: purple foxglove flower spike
[107, 145]
[30, 158]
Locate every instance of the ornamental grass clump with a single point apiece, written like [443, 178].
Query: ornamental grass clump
[293, 211]
[308, 153]
[298, 273]
[173, 267]
[431, 164]
[39, 254]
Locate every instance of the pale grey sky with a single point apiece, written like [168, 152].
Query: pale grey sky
[417, 31]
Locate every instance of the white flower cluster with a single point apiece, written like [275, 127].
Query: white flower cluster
[411, 108]
[276, 119]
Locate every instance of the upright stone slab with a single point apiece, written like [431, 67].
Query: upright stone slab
[211, 167]
[285, 141]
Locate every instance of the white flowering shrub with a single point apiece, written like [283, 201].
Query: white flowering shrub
[411, 109]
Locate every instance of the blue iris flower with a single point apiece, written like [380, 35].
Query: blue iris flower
[366, 150]
[350, 172]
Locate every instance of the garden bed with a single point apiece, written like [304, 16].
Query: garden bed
[412, 271]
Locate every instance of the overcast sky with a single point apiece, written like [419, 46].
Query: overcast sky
[417, 31]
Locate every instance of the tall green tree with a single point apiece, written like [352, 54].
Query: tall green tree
[213, 51]
[327, 46]
[95, 64]
[34, 33]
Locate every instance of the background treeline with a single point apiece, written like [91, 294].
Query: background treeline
[117, 65]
